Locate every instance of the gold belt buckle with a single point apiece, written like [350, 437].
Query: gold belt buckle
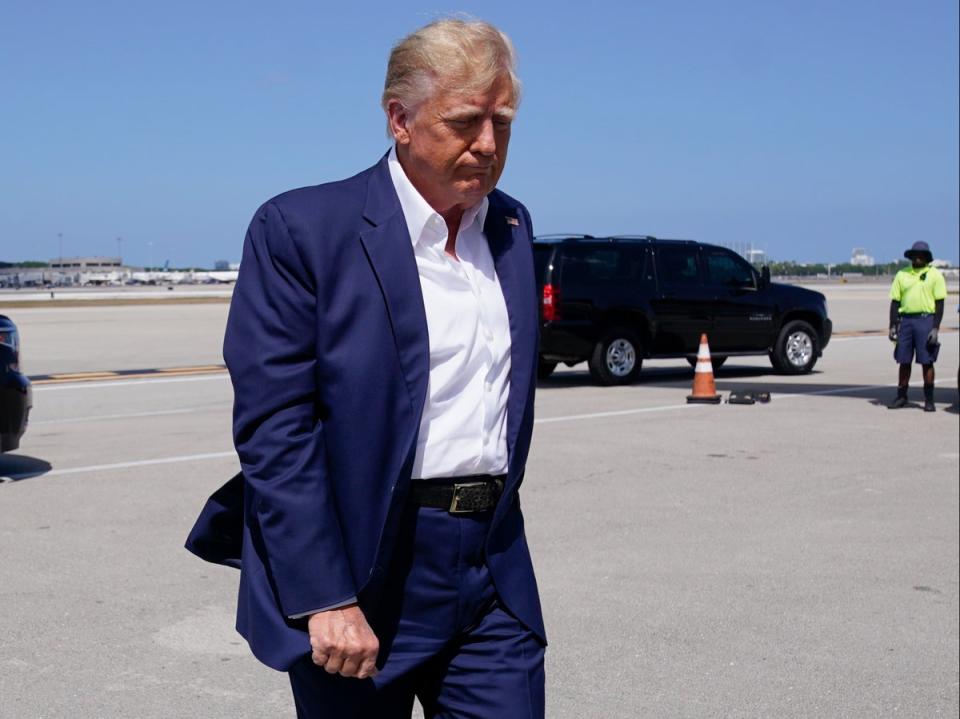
[465, 501]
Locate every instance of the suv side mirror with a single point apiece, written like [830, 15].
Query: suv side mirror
[764, 277]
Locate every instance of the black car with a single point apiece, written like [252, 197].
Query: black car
[614, 301]
[16, 395]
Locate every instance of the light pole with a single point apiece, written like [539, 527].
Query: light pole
[120, 273]
[60, 243]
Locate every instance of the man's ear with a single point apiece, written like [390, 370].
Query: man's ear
[398, 117]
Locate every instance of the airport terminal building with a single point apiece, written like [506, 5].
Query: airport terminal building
[99, 271]
[67, 271]
[85, 264]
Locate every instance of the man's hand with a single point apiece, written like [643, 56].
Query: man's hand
[343, 643]
[933, 339]
[894, 333]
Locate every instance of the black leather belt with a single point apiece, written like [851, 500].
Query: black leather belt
[460, 495]
[916, 314]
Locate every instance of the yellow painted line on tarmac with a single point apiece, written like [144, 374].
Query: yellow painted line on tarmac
[67, 379]
[859, 333]
[183, 373]
[198, 368]
[120, 375]
[152, 379]
[52, 380]
[868, 333]
[126, 376]
[83, 375]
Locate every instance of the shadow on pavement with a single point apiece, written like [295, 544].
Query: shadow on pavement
[878, 396]
[16, 467]
[940, 398]
[680, 376]
[759, 379]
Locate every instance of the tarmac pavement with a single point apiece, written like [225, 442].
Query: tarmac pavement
[795, 559]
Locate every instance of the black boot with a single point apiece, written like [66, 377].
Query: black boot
[928, 405]
[901, 400]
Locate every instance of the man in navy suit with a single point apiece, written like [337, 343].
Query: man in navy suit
[382, 343]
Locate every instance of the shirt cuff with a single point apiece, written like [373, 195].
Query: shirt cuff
[345, 602]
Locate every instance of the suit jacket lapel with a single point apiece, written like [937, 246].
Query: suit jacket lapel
[514, 270]
[388, 247]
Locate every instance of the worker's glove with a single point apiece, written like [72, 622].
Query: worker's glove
[933, 339]
[894, 333]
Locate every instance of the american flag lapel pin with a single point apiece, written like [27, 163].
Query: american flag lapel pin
[513, 221]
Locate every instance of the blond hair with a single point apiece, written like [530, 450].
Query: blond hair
[466, 55]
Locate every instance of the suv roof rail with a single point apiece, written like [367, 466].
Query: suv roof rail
[564, 236]
[632, 237]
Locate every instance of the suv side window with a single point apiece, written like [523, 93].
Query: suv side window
[589, 265]
[602, 265]
[677, 265]
[727, 270]
[634, 267]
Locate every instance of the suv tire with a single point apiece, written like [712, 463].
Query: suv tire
[797, 348]
[616, 358]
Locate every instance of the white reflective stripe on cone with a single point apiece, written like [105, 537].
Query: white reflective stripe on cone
[704, 366]
[704, 353]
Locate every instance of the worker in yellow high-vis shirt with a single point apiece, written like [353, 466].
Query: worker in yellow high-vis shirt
[916, 310]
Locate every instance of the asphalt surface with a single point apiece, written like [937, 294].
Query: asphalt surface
[795, 559]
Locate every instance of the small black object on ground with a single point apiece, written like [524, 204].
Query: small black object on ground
[746, 396]
[739, 396]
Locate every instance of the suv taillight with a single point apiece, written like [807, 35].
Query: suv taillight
[551, 303]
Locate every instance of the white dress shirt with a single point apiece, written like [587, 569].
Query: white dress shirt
[464, 421]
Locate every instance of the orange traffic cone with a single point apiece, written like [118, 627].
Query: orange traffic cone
[704, 389]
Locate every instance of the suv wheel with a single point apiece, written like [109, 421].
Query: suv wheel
[545, 368]
[616, 358]
[796, 349]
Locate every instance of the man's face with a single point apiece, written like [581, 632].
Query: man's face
[454, 147]
[918, 261]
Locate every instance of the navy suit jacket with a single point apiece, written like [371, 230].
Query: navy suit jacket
[327, 349]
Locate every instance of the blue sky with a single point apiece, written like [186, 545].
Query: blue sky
[805, 128]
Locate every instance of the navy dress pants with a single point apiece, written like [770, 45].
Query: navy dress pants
[444, 637]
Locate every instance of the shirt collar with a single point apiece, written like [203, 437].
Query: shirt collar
[418, 213]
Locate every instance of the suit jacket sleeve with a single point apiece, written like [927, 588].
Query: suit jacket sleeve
[270, 349]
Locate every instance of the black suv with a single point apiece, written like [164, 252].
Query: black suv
[613, 301]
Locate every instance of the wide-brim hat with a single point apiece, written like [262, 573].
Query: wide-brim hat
[919, 248]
